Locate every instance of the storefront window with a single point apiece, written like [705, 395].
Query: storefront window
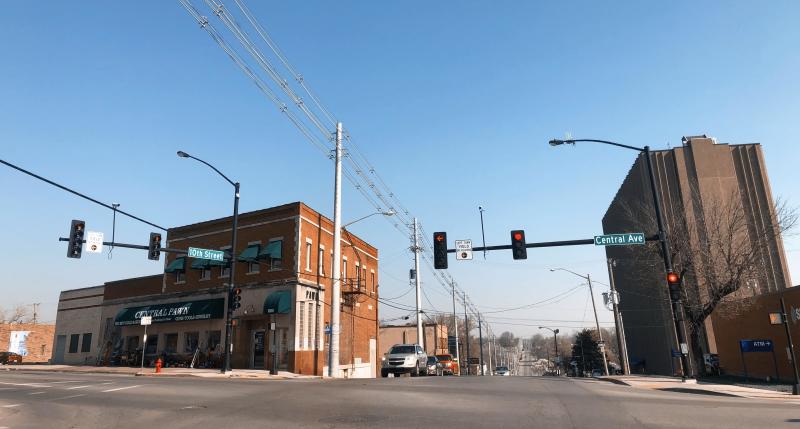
[152, 344]
[191, 341]
[213, 340]
[132, 344]
[171, 343]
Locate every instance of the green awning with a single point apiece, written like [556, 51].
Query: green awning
[272, 250]
[204, 309]
[250, 254]
[179, 264]
[201, 264]
[279, 302]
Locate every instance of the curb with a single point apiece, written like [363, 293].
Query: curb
[614, 381]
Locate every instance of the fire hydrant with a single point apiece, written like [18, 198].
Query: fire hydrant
[158, 365]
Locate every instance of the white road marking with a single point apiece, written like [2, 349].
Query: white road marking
[121, 388]
[36, 393]
[10, 406]
[78, 387]
[69, 397]
[62, 382]
[7, 388]
[27, 384]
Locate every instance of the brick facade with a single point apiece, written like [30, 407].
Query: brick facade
[38, 343]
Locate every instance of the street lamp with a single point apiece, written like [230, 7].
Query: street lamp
[387, 213]
[588, 278]
[677, 310]
[555, 342]
[228, 311]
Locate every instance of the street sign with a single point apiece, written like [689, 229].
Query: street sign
[94, 242]
[146, 320]
[619, 239]
[464, 250]
[748, 346]
[213, 255]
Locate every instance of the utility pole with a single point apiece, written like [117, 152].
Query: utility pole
[455, 323]
[597, 323]
[480, 341]
[466, 332]
[336, 287]
[420, 330]
[784, 316]
[35, 313]
[491, 340]
[621, 344]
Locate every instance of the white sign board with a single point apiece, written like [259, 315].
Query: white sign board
[463, 250]
[146, 320]
[94, 242]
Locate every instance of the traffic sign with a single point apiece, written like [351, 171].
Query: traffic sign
[94, 242]
[748, 346]
[213, 255]
[619, 239]
[146, 320]
[464, 250]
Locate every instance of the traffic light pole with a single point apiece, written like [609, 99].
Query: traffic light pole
[231, 284]
[135, 246]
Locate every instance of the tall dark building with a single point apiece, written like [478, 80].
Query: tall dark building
[693, 181]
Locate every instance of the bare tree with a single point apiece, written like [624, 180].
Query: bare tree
[17, 314]
[507, 340]
[722, 251]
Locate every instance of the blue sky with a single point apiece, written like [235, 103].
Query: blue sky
[452, 102]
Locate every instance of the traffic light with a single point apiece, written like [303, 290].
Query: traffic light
[673, 278]
[674, 282]
[76, 231]
[154, 247]
[518, 249]
[236, 298]
[440, 250]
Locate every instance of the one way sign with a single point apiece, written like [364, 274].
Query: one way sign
[463, 250]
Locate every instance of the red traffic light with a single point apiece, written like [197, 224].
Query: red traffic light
[517, 236]
[673, 278]
[237, 291]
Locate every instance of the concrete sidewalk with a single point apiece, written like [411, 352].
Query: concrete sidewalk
[674, 384]
[165, 372]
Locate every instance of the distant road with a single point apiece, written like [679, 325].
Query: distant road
[57, 400]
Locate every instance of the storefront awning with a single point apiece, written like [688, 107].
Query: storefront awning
[250, 254]
[279, 302]
[173, 312]
[272, 250]
[179, 264]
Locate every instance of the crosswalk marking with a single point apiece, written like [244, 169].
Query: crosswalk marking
[69, 397]
[121, 388]
[10, 405]
[63, 382]
[36, 393]
[41, 385]
[78, 387]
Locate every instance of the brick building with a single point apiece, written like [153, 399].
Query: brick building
[284, 258]
[690, 179]
[435, 337]
[33, 341]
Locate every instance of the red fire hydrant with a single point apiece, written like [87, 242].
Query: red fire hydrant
[158, 365]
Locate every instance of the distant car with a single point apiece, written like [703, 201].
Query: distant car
[8, 358]
[404, 359]
[433, 367]
[502, 371]
[596, 373]
[449, 365]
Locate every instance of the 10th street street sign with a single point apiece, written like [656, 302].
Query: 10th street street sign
[214, 255]
[619, 239]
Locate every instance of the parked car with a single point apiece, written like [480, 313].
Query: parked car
[449, 365]
[8, 358]
[433, 367]
[404, 359]
[596, 373]
[502, 371]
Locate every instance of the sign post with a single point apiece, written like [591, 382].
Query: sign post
[145, 320]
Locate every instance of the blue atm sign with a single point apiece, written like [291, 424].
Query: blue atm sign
[747, 346]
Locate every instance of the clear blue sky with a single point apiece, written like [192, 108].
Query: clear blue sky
[452, 102]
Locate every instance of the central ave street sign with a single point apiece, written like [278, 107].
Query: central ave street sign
[463, 250]
[619, 239]
[214, 255]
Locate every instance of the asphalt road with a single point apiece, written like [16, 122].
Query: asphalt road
[58, 400]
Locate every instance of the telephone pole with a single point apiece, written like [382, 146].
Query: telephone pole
[35, 312]
[621, 344]
[480, 341]
[455, 322]
[336, 292]
[466, 332]
[420, 331]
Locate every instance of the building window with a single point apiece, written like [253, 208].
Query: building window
[73, 343]
[253, 267]
[308, 255]
[170, 343]
[225, 271]
[191, 341]
[358, 277]
[205, 274]
[311, 330]
[301, 324]
[276, 256]
[322, 261]
[133, 344]
[152, 344]
[372, 280]
[363, 278]
[213, 340]
[86, 344]
[343, 277]
[180, 276]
